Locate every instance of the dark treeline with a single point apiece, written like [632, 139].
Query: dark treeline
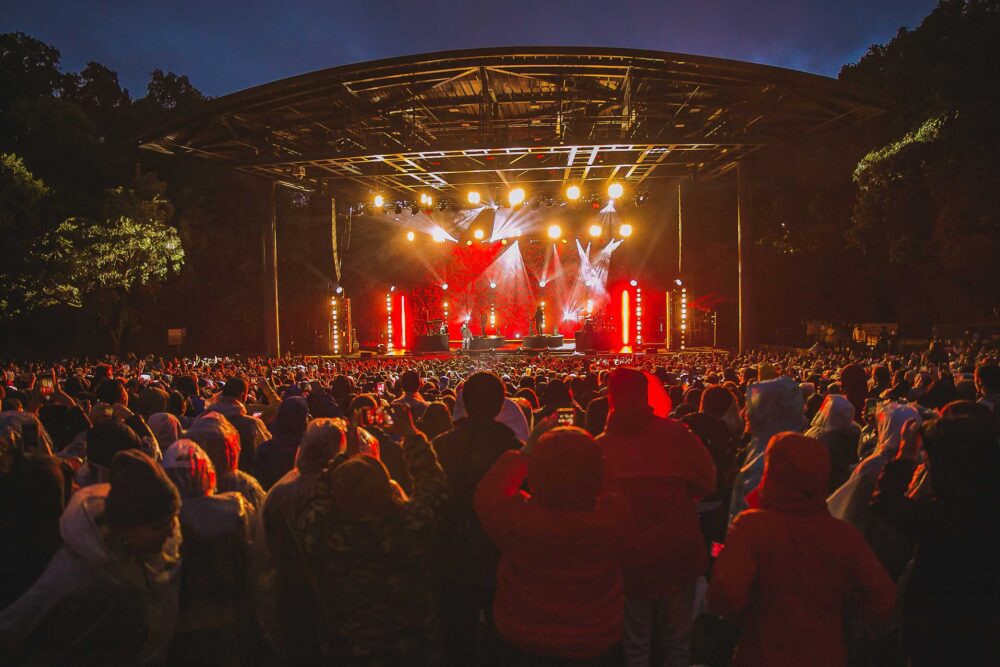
[893, 220]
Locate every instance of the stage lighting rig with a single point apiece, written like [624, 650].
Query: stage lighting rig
[595, 231]
[573, 192]
[615, 190]
[516, 196]
[625, 231]
[478, 234]
[410, 236]
[554, 232]
[474, 198]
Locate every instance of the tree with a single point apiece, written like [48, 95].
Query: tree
[107, 265]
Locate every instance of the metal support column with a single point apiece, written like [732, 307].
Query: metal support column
[740, 233]
[273, 212]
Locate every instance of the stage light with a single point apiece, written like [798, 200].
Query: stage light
[444, 286]
[615, 190]
[478, 234]
[515, 196]
[339, 290]
[379, 201]
[595, 230]
[493, 285]
[438, 235]
[633, 283]
[473, 197]
[541, 283]
[429, 202]
[410, 236]
[554, 232]
[678, 282]
[625, 231]
[392, 289]
[469, 242]
[573, 192]
[503, 241]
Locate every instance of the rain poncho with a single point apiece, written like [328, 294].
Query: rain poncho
[221, 442]
[835, 427]
[166, 428]
[94, 605]
[773, 406]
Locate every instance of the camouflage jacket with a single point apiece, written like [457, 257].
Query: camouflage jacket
[374, 576]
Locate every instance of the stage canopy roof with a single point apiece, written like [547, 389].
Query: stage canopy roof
[539, 117]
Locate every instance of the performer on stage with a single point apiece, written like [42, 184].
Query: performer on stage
[539, 320]
[466, 335]
[482, 324]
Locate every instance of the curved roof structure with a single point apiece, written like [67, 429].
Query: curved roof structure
[493, 117]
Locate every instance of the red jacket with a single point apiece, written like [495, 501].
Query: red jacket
[790, 570]
[662, 469]
[559, 582]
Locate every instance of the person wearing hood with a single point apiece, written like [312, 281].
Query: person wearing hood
[166, 429]
[850, 502]
[662, 469]
[835, 427]
[370, 554]
[109, 595]
[951, 603]
[215, 622]
[854, 385]
[291, 599]
[104, 440]
[469, 559]
[773, 406]
[231, 404]
[277, 456]
[220, 440]
[789, 571]
[34, 488]
[559, 581]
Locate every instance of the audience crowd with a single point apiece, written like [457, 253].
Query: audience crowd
[809, 509]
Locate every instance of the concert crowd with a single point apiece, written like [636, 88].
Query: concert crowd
[830, 507]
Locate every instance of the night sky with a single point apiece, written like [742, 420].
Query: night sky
[224, 46]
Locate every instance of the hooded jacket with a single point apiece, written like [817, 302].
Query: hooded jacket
[850, 502]
[213, 433]
[94, 604]
[252, 431]
[373, 573]
[662, 469]
[835, 427]
[559, 582]
[277, 456]
[789, 570]
[772, 407]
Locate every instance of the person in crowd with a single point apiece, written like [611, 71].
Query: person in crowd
[104, 440]
[556, 396]
[370, 554]
[231, 404]
[166, 429]
[409, 382]
[835, 427]
[720, 438]
[951, 600]
[220, 440]
[469, 558]
[850, 501]
[34, 489]
[276, 456]
[662, 469]
[789, 571]
[773, 406]
[436, 420]
[987, 379]
[854, 385]
[293, 621]
[215, 622]
[150, 401]
[109, 595]
[559, 597]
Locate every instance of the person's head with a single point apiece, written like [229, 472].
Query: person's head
[236, 387]
[150, 401]
[627, 388]
[410, 381]
[220, 440]
[363, 402]
[566, 470]
[483, 395]
[190, 469]
[987, 379]
[881, 376]
[436, 419]
[293, 415]
[177, 404]
[108, 438]
[111, 392]
[556, 393]
[796, 475]
[361, 488]
[716, 401]
[166, 428]
[142, 503]
[962, 457]
[324, 439]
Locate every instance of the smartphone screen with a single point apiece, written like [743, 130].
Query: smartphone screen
[380, 387]
[45, 386]
[565, 416]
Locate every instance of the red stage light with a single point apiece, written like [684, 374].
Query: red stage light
[625, 316]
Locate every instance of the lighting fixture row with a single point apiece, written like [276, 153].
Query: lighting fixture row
[554, 232]
[515, 197]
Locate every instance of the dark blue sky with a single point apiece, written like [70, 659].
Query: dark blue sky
[224, 46]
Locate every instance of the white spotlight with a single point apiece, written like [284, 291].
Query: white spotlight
[438, 235]
[379, 201]
[625, 231]
[615, 190]
[473, 197]
[410, 236]
[515, 196]
[554, 232]
[595, 230]
[573, 192]
[493, 285]
[444, 286]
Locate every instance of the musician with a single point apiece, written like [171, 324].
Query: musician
[482, 324]
[539, 319]
[466, 335]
